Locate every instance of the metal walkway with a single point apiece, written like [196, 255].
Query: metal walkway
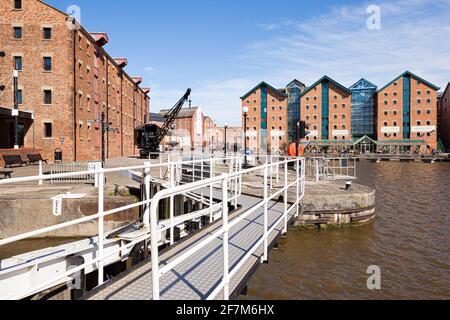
[212, 263]
[196, 278]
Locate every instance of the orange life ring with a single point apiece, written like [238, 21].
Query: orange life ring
[292, 150]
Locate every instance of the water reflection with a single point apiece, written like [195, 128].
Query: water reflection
[410, 241]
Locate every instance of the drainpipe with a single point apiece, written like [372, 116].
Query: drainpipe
[121, 113]
[74, 97]
[107, 102]
[134, 118]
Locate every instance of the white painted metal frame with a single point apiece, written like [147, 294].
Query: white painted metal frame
[100, 258]
[299, 183]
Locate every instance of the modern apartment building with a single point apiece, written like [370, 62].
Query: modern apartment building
[326, 109]
[407, 113]
[444, 110]
[66, 81]
[400, 117]
[273, 116]
[363, 109]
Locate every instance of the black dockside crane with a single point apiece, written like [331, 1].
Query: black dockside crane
[149, 136]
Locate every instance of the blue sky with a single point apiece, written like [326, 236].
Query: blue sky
[221, 49]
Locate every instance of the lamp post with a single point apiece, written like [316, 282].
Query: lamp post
[105, 128]
[245, 110]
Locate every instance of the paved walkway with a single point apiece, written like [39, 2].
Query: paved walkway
[197, 277]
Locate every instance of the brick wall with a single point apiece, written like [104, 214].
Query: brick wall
[79, 97]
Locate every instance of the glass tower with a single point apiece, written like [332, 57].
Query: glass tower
[294, 90]
[363, 109]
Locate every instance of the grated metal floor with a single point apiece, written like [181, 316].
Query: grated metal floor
[197, 277]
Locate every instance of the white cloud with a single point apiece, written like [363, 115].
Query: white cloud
[338, 43]
[414, 36]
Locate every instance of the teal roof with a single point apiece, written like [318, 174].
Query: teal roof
[363, 84]
[261, 84]
[413, 76]
[296, 82]
[323, 79]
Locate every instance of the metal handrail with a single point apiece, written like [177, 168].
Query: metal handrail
[101, 214]
[235, 176]
[151, 215]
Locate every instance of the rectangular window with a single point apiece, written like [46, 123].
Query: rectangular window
[47, 64]
[17, 32]
[47, 96]
[19, 96]
[18, 63]
[18, 4]
[48, 132]
[47, 33]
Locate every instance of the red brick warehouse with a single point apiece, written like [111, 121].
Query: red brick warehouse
[66, 81]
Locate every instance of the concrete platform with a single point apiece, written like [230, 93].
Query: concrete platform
[326, 203]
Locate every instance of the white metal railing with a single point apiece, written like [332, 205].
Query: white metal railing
[230, 184]
[66, 167]
[101, 173]
[224, 180]
[322, 169]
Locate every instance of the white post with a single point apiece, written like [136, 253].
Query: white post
[226, 278]
[201, 176]
[171, 204]
[160, 167]
[193, 169]
[101, 232]
[211, 175]
[40, 173]
[271, 172]
[317, 170]
[146, 217]
[236, 183]
[169, 161]
[278, 169]
[286, 183]
[266, 208]
[154, 254]
[230, 171]
[298, 185]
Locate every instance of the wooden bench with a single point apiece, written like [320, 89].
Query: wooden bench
[14, 160]
[35, 158]
[6, 173]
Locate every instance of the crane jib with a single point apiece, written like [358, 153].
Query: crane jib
[150, 136]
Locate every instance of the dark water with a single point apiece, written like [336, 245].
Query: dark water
[409, 241]
[26, 246]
